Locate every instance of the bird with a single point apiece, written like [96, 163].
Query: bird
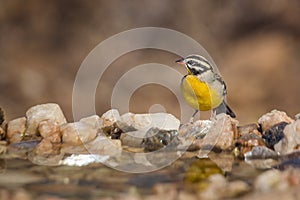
[202, 88]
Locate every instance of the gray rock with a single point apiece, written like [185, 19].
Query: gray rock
[38, 113]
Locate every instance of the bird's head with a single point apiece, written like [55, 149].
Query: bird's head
[195, 64]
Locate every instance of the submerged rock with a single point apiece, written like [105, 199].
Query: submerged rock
[274, 117]
[16, 129]
[43, 112]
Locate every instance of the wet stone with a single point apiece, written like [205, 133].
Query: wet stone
[261, 157]
[289, 160]
[16, 129]
[274, 134]
[36, 114]
[156, 139]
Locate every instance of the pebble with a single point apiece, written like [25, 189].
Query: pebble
[220, 188]
[77, 133]
[16, 129]
[50, 130]
[291, 139]
[274, 117]
[272, 180]
[36, 114]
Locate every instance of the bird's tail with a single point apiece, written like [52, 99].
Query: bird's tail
[224, 108]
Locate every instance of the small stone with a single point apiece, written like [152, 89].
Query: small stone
[220, 188]
[132, 139]
[291, 139]
[16, 129]
[274, 134]
[93, 120]
[50, 130]
[77, 133]
[247, 129]
[113, 131]
[39, 113]
[246, 142]
[45, 147]
[274, 117]
[104, 146]
[267, 181]
[110, 117]
[163, 121]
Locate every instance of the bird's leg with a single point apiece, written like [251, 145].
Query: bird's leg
[192, 118]
[213, 117]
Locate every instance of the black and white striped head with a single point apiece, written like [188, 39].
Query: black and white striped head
[196, 64]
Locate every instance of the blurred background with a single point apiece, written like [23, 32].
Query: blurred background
[255, 45]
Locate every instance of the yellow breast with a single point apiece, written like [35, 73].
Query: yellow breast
[198, 94]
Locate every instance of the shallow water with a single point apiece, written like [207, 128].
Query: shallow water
[98, 181]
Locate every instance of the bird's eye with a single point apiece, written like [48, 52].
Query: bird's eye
[190, 62]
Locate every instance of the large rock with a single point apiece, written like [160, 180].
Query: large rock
[144, 122]
[274, 117]
[291, 139]
[43, 112]
[16, 129]
[221, 135]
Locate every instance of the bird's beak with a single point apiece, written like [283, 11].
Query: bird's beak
[180, 61]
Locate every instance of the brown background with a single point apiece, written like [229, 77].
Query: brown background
[255, 45]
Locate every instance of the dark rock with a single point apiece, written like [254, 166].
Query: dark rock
[157, 139]
[274, 134]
